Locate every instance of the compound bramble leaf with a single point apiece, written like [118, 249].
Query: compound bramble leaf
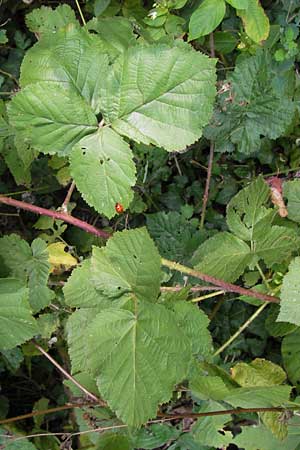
[160, 95]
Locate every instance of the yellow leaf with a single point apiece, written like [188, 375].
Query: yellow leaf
[59, 259]
[255, 21]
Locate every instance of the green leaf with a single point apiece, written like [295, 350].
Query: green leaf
[259, 397]
[18, 166]
[147, 95]
[47, 323]
[206, 18]
[3, 37]
[225, 42]
[24, 444]
[116, 32]
[155, 436]
[107, 158]
[255, 21]
[253, 107]
[79, 291]
[16, 322]
[100, 6]
[248, 439]
[291, 191]
[276, 244]
[273, 421]
[125, 350]
[209, 431]
[290, 293]
[73, 58]
[114, 441]
[207, 387]
[223, 256]
[45, 20]
[246, 209]
[130, 263]
[52, 118]
[238, 4]
[176, 237]
[276, 328]
[29, 264]
[85, 380]
[291, 356]
[260, 372]
[194, 323]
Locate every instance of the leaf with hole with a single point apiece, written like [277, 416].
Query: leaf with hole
[102, 167]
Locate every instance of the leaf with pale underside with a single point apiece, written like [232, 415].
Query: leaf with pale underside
[73, 58]
[52, 118]
[130, 263]
[160, 95]
[290, 295]
[103, 170]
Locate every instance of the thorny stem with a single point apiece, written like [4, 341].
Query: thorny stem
[228, 287]
[56, 215]
[67, 375]
[80, 12]
[241, 329]
[211, 151]
[66, 202]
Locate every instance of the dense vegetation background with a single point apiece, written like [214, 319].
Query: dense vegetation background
[109, 114]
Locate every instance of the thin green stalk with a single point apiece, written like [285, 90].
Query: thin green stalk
[241, 329]
[204, 297]
[9, 75]
[266, 283]
[80, 12]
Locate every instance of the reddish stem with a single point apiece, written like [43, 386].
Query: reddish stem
[56, 215]
[229, 287]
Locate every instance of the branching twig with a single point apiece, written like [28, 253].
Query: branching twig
[56, 215]
[67, 375]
